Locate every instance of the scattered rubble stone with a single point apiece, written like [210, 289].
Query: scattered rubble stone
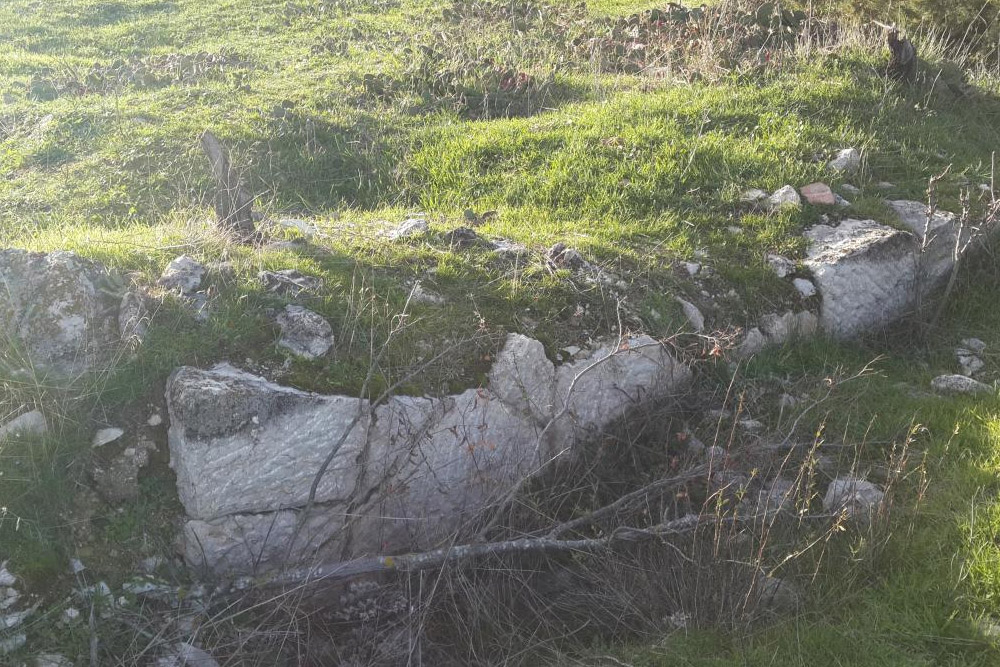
[784, 196]
[116, 474]
[885, 185]
[508, 249]
[852, 190]
[856, 497]
[30, 423]
[52, 660]
[805, 287]
[307, 229]
[782, 265]
[818, 194]
[779, 329]
[8, 597]
[106, 435]
[154, 419]
[753, 343]
[409, 228]
[183, 274]
[692, 268]
[959, 384]
[969, 362]
[847, 161]
[187, 655]
[76, 330]
[304, 333]
[974, 345]
[419, 294]
[693, 315]
[289, 282]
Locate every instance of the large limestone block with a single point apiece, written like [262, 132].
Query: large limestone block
[524, 378]
[252, 543]
[240, 444]
[58, 313]
[438, 464]
[426, 470]
[601, 388]
[866, 274]
[938, 252]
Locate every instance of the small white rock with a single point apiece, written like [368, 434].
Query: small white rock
[30, 423]
[304, 333]
[848, 160]
[784, 196]
[76, 566]
[782, 265]
[70, 614]
[853, 496]
[15, 619]
[974, 345]
[420, 294]
[183, 274]
[408, 228]
[8, 597]
[52, 660]
[307, 229]
[107, 435]
[751, 425]
[852, 190]
[692, 268]
[6, 578]
[805, 287]
[970, 363]
[693, 315]
[959, 384]
[753, 343]
[154, 420]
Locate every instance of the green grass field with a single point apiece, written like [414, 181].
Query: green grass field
[357, 114]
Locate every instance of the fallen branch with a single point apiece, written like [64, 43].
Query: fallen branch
[432, 560]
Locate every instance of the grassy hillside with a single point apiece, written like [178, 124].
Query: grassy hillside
[630, 145]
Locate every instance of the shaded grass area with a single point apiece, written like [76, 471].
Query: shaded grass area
[929, 597]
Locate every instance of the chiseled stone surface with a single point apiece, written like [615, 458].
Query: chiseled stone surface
[937, 255]
[239, 443]
[246, 451]
[865, 272]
